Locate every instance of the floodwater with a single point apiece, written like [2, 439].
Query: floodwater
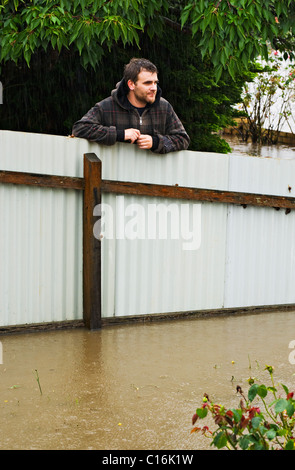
[249, 148]
[133, 386]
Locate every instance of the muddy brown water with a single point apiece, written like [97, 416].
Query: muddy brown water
[133, 387]
[249, 148]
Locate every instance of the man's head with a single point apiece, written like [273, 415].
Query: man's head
[135, 66]
[141, 78]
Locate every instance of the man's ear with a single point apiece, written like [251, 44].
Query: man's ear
[130, 84]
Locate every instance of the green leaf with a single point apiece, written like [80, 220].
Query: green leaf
[218, 72]
[237, 414]
[280, 405]
[289, 445]
[262, 391]
[252, 392]
[290, 409]
[185, 14]
[220, 440]
[202, 412]
[27, 55]
[256, 422]
[271, 434]
[282, 432]
[244, 442]
[211, 45]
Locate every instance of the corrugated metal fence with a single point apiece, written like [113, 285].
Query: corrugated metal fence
[184, 232]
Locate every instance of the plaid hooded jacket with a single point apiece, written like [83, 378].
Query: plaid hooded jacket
[106, 121]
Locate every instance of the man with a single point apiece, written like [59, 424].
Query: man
[135, 113]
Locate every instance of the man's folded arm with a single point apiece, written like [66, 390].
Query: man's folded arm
[89, 127]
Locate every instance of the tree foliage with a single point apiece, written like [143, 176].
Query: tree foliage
[87, 25]
[235, 32]
[231, 32]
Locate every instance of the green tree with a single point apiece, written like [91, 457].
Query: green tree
[87, 25]
[233, 32]
[236, 32]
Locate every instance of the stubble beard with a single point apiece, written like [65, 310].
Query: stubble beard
[146, 99]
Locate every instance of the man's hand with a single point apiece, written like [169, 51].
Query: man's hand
[132, 135]
[144, 141]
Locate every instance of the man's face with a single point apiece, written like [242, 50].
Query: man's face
[144, 90]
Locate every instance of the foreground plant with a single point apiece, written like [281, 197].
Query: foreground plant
[38, 381]
[265, 425]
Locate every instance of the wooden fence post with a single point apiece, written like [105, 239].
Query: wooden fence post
[91, 245]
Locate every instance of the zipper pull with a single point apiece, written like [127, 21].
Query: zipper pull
[140, 121]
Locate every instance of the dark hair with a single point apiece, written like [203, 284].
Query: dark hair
[135, 66]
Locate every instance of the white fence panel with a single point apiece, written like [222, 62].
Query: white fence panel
[260, 268]
[169, 256]
[41, 255]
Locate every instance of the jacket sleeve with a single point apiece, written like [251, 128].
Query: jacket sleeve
[90, 127]
[175, 137]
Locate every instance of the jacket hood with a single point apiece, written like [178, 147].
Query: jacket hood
[121, 91]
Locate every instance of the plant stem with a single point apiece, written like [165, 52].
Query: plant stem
[267, 411]
[38, 381]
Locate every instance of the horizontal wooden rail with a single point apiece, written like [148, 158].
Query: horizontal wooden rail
[197, 194]
[35, 179]
[152, 190]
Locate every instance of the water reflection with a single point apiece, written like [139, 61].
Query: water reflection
[133, 386]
